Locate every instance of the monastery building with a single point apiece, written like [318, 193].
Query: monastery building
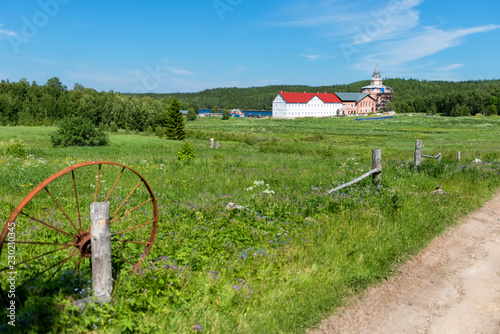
[294, 105]
[373, 98]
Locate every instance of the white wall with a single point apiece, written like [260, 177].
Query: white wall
[314, 108]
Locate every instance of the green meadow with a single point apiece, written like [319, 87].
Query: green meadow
[280, 265]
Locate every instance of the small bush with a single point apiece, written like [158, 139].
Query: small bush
[79, 131]
[225, 114]
[16, 149]
[149, 130]
[104, 127]
[159, 132]
[186, 152]
[113, 127]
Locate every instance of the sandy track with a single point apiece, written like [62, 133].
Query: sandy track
[453, 286]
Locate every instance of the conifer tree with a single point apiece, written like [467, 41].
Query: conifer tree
[175, 122]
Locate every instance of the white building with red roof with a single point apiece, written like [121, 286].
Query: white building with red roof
[295, 105]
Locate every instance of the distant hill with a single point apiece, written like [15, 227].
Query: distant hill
[410, 95]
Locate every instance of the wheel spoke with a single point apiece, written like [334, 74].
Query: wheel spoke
[135, 242]
[133, 228]
[77, 267]
[60, 208]
[129, 211]
[77, 204]
[97, 185]
[43, 243]
[114, 185]
[119, 258]
[48, 225]
[36, 257]
[43, 272]
[126, 199]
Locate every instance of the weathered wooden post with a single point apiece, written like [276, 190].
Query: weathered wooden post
[418, 155]
[212, 143]
[377, 164]
[100, 239]
[458, 156]
[439, 157]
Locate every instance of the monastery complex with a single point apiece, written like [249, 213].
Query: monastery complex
[373, 98]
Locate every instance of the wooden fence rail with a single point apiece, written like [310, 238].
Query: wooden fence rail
[376, 172]
[419, 155]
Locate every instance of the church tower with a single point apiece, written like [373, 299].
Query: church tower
[377, 78]
[381, 93]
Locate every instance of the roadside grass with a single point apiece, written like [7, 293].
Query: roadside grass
[294, 255]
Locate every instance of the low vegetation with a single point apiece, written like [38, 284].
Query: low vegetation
[292, 254]
[79, 131]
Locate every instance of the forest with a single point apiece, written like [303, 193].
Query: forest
[25, 103]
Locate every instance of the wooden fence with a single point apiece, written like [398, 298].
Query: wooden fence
[376, 171]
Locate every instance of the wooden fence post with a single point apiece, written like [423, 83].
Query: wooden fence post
[377, 164]
[100, 238]
[418, 155]
[439, 157]
[458, 156]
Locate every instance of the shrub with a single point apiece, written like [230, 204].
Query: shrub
[159, 132]
[186, 152]
[149, 130]
[113, 127]
[104, 127]
[225, 114]
[16, 149]
[79, 131]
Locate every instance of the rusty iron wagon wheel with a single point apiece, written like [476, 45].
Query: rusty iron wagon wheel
[49, 231]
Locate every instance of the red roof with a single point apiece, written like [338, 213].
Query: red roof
[306, 97]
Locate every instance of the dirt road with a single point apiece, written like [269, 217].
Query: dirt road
[453, 286]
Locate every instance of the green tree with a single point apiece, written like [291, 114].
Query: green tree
[225, 114]
[175, 123]
[215, 110]
[491, 110]
[455, 112]
[191, 115]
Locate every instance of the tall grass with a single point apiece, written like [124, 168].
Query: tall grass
[294, 254]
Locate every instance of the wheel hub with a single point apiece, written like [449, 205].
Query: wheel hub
[82, 241]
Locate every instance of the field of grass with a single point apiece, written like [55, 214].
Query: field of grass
[284, 263]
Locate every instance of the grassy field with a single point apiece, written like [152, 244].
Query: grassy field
[284, 263]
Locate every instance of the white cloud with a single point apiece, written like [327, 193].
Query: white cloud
[266, 82]
[6, 32]
[423, 44]
[178, 71]
[356, 22]
[451, 67]
[311, 57]
[238, 69]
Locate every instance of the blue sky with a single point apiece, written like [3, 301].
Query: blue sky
[188, 46]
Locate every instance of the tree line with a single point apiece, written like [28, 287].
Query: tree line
[24, 103]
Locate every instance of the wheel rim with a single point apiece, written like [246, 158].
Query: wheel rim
[49, 239]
